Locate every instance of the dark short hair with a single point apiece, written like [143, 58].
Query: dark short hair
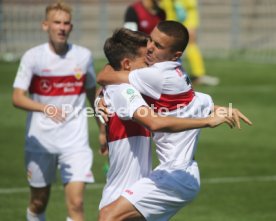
[176, 30]
[124, 43]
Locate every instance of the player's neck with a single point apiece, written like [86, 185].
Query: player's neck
[59, 49]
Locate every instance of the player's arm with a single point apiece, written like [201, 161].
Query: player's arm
[90, 86]
[109, 76]
[21, 100]
[234, 113]
[91, 93]
[157, 123]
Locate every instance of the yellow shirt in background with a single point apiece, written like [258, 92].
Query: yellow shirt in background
[184, 11]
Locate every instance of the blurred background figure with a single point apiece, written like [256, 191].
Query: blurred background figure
[143, 15]
[186, 12]
[56, 74]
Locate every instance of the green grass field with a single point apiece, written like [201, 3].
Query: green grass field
[237, 166]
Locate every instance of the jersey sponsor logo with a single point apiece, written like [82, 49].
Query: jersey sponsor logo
[119, 129]
[57, 85]
[170, 101]
[45, 85]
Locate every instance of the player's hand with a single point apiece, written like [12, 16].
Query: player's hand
[54, 113]
[103, 144]
[232, 116]
[101, 110]
[237, 115]
[218, 118]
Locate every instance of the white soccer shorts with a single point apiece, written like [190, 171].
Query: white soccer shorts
[164, 192]
[74, 166]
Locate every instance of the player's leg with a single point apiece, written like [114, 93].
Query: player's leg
[41, 173]
[38, 202]
[74, 200]
[75, 170]
[121, 209]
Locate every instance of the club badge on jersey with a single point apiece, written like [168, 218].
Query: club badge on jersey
[130, 94]
[78, 73]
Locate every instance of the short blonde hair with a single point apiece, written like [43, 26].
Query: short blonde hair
[60, 5]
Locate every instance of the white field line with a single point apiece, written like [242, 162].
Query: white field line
[222, 180]
[226, 180]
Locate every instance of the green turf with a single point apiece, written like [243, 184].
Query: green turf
[248, 154]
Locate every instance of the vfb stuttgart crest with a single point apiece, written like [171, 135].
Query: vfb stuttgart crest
[78, 73]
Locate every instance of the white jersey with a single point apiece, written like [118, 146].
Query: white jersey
[175, 182]
[128, 142]
[166, 86]
[60, 81]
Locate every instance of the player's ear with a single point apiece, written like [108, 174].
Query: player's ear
[177, 55]
[44, 25]
[71, 29]
[125, 64]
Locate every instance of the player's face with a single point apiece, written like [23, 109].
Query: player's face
[139, 61]
[58, 25]
[159, 47]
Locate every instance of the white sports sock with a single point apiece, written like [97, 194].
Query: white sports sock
[35, 217]
[69, 219]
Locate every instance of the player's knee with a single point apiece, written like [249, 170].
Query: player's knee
[105, 214]
[76, 204]
[38, 206]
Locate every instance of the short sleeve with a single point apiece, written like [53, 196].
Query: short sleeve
[126, 100]
[25, 72]
[147, 81]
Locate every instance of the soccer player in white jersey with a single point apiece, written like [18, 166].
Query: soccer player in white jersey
[175, 182]
[128, 141]
[58, 76]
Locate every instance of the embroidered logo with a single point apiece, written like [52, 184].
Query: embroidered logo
[130, 91]
[45, 85]
[78, 73]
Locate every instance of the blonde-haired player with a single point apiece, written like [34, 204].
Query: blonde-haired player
[58, 76]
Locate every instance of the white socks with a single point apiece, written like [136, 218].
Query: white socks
[39, 217]
[35, 217]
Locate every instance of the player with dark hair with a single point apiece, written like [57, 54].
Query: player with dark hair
[164, 84]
